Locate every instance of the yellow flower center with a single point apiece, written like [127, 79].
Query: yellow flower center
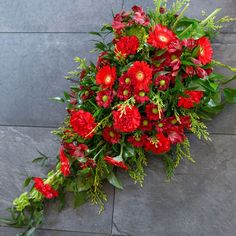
[125, 92]
[163, 38]
[141, 94]
[108, 79]
[127, 80]
[140, 76]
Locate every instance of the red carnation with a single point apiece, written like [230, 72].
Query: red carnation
[145, 124]
[65, 164]
[141, 75]
[161, 37]
[137, 141]
[110, 135]
[104, 98]
[126, 120]
[45, 189]
[163, 82]
[106, 76]
[205, 52]
[152, 112]
[114, 162]
[193, 97]
[124, 92]
[83, 123]
[158, 144]
[127, 45]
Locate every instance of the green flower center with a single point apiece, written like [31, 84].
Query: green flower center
[154, 110]
[125, 92]
[127, 80]
[105, 98]
[162, 82]
[173, 122]
[141, 94]
[145, 123]
[160, 125]
[138, 139]
[86, 93]
[111, 133]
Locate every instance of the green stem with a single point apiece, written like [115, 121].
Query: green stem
[186, 30]
[228, 80]
[180, 16]
[213, 14]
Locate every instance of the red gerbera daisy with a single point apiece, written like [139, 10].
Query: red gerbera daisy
[114, 162]
[205, 51]
[152, 112]
[65, 164]
[126, 119]
[104, 98]
[83, 123]
[194, 97]
[106, 76]
[161, 37]
[110, 135]
[141, 75]
[127, 45]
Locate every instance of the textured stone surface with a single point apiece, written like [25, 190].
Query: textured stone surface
[199, 201]
[56, 15]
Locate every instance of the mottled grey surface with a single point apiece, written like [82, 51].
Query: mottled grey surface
[39, 39]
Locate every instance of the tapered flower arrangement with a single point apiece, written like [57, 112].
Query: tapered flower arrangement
[151, 84]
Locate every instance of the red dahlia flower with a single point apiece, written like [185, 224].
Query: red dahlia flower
[137, 141]
[110, 135]
[205, 51]
[163, 82]
[104, 98]
[114, 162]
[106, 76]
[194, 97]
[127, 45]
[127, 120]
[158, 144]
[83, 123]
[141, 75]
[161, 37]
[65, 164]
[45, 189]
[152, 112]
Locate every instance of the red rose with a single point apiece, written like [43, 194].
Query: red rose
[152, 112]
[127, 120]
[193, 97]
[110, 135]
[83, 123]
[104, 98]
[205, 52]
[114, 162]
[106, 76]
[65, 164]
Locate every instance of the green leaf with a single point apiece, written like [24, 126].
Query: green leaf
[230, 95]
[57, 99]
[27, 181]
[114, 180]
[80, 198]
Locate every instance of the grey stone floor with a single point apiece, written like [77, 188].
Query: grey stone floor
[39, 39]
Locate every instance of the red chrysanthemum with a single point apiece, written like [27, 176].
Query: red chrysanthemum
[114, 162]
[106, 76]
[45, 189]
[145, 124]
[83, 123]
[127, 45]
[152, 112]
[205, 52]
[158, 144]
[110, 135]
[141, 75]
[161, 37]
[193, 97]
[126, 119]
[124, 92]
[65, 164]
[137, 141]
[163, 82]
[104, 98]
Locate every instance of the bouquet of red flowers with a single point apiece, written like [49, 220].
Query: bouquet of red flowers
[152, 83]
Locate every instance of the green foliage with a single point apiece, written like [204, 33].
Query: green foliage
[230, 95]
[169, 165]
[112, 179]
[21, 202]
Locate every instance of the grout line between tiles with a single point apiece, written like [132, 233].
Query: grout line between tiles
[113, 207]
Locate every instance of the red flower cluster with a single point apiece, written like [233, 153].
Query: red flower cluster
[45, 189]
[192, 98]
[65, 164]
[114, 162]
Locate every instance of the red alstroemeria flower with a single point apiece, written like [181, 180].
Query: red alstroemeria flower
[126, 119]
[127, 45]
[137, 141]
[106, 76]
[163, 82]
[110, 135]
[161, 37]
[158, 144]
[65, 164]
[139, 16]
[124, 92]
[104, 98]
[90, 163]
[152, 112]
[145, 124]
[45, 189]
[141, 75]
[77, 150]
[205, 52]
[114, 162]
[83, 123]
[194, 97]
[189, 43]
[141, 97]
[176, 134]
[201, 72]
[190, 71]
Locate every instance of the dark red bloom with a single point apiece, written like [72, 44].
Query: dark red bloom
[137, 141]
[102, 61]
[140, 97]
[139, 16]
[193, 97]
[77, 150]
[145, 124]
[141, 75]
[126, 119]
[201, 72]
[45, 189]
[176, 134]
[185, 121]
[174, 46]
[106, 76]
[104, 98]
[189, 43]
[114, 162]
[65, 164]
[152, 112]
[110, 135]
[127, 45]
[124, 92]
[125, 80]
[205, 52]
[158, 144]
[90, 163]
[163, 82]
[87, 92]
[161, 37]
[162, 125]
[83, 123]
[190, 71]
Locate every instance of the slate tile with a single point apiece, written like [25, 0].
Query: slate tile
[199, 201]
[195, 8]
[33, 67]
[56, 15]
[18, 148]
